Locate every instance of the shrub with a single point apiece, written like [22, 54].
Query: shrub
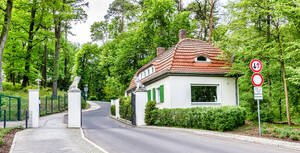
[93, 98]
[295, 137]
[83, 104]
[210, 118]
[113, 110]
[264, 131]
[149, 108]
[126, 110]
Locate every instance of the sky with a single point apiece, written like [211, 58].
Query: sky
[96, 12]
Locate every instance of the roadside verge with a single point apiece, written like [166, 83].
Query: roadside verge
[282, 144]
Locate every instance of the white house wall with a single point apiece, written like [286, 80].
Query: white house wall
[167, 92]
[179, 87]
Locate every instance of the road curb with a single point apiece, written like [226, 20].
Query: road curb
[13, 144]
[92, 103]
[121, 120]
[278, 143]
[91, 142]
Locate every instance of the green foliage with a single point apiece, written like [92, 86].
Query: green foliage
[126, 110]
[295, 137]
[83, 104]
[93, 98]
[86, 63]
[220, 118]
[268, 31]
[151, 106]
[113, 110]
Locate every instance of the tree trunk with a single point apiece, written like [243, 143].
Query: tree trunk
[211, 20]
[29, 46]
[179, 6]
[56, 58]
[44, 69]
[4, 33]
[284, 77]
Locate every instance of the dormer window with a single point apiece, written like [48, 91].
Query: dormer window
[202, 59]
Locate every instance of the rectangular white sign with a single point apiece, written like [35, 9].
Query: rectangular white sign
[258, 93]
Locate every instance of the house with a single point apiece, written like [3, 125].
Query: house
[187, 75]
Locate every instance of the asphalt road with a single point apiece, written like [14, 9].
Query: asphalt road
[115, 137]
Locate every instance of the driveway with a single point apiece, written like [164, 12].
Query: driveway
[115, 137]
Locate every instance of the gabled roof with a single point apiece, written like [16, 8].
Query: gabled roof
[181, 59]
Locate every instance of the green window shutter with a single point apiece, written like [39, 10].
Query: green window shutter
[153, 94]
[149, 95]
[162, 93]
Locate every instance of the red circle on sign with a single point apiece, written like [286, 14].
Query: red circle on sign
[256, 65]
[257, 79]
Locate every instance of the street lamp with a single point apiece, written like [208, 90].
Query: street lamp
[38, 83]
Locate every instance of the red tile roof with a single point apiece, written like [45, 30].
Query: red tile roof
[181, 58]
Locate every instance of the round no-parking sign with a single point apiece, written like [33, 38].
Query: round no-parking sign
[256, 65]
[257, 79]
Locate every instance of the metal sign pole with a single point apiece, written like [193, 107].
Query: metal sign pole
[258, 110]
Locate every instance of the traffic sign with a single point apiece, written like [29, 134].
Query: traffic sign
[256, 65]
[257, 79]
[258, 93]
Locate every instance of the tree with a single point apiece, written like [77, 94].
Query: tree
[99, 31]
[4, 33]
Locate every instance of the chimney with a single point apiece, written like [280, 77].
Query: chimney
[160, 50]
[182, 34]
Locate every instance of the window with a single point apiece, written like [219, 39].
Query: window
[204, 93]
[202, 59]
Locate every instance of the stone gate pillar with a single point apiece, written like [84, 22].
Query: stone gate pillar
[74, 108]
[140, 106]
[34, 112]
[117, 103]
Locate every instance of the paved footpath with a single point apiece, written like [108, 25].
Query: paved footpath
[52, 137]
[118, 138]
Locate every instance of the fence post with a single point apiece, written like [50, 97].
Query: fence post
[9, 111]
[0, 106]
[19, 109]
[51, 104]
[46, 105]
[64, 101]
[4, 119]
[26, 119]
[58, 101]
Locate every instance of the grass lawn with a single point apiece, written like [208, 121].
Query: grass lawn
[53, 105]
[271, 130]
[6, 138]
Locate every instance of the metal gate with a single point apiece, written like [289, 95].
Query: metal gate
[133, 100]
[12, 105]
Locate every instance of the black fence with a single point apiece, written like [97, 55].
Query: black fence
[50, 105]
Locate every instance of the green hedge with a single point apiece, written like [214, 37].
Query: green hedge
[150, 107]
[126, 110]
[210, 118]
[113, 110]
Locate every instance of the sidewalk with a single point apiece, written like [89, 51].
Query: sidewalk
[53, 136]
[12, 123]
